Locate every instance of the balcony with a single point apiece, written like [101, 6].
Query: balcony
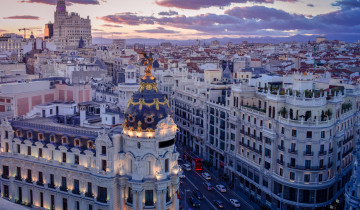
[322, 153]
[331, 150]
[330, 164]
[101, 200]
[18, 178]
[76, 191]
[281, 162]
[89, 194]
[51, 185]
[294, 152]
[40, 183]
[348, 139]
[28, 180]
[347, 152]
[63, 188]
[309, 168]
[282, 148]
[5, 176]
[308, 153]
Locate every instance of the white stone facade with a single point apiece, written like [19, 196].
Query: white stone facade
[70, 28]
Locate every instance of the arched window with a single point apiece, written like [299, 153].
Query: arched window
[77, 142]
[29, 135]
[18, 133]
[90, 144]
[64, 140]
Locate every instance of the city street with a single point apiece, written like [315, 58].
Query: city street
[194, 180]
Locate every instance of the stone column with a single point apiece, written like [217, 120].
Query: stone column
[134, 200]
[140, 194]
[164, 200]
[176, 201]
[158, 200]
[121, 197]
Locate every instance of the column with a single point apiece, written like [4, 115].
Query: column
[121, 198]
[158, 200]
[134, 200]
[164, 200]
[140, 194]
[176, 202]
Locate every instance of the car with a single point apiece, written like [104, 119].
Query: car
[194, 202]
[198, 194]
[219, 203]
[181, 175]
[186, 167]
[235, 203]
[208, 186]
[206, 176]
[180, 159]
[221, 188]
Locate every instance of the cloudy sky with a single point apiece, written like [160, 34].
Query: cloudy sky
[194, 19]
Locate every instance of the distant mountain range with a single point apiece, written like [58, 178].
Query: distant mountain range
[297, 38]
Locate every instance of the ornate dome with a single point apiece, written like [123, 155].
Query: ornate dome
[147, 106]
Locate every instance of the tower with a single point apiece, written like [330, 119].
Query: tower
[147, 148]
[61, 7]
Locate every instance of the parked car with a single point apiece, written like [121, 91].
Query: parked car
[194, 202]
[235, 203]
[208, 186]
[182, 176]
[180, 159]
[221, 188]
[206, 176]
[219, 203]
[198, 194]
[186, 167]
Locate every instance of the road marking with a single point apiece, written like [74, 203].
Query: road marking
[204, 195]
[230, 192]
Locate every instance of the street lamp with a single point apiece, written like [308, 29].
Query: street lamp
[185, 199]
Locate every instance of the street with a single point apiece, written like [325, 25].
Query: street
[194, 180]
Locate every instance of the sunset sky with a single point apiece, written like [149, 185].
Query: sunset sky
[193, 19]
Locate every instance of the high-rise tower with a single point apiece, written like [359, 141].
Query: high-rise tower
[70, 28]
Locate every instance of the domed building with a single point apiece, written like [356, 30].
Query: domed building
[148, 159]
[50, 164]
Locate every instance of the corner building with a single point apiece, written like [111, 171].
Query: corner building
[54, 165]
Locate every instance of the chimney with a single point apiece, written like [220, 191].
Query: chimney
[82, 115]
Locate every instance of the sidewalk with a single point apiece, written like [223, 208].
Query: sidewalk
[215, 174]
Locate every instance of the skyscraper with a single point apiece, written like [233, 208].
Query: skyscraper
[69, 29]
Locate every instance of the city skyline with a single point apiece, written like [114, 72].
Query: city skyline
[181, 20]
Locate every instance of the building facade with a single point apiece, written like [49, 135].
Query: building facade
[291, 148]
[70, 29]
[65, 161]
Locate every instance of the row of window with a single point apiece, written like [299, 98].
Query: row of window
[102, 191]
[64, 139]
[64, 154]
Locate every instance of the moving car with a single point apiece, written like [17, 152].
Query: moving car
[221, 188]
[206, 176]
[235, 203]
[194, 202]
[219, 203]
[186, 167]
[198, 194]
[208, 186]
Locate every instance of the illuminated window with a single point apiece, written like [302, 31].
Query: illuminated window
[29, 135]
[64, 140]
[40, 136]
[18, 133]
[77, 143]
[90, 144]
[52, 138]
